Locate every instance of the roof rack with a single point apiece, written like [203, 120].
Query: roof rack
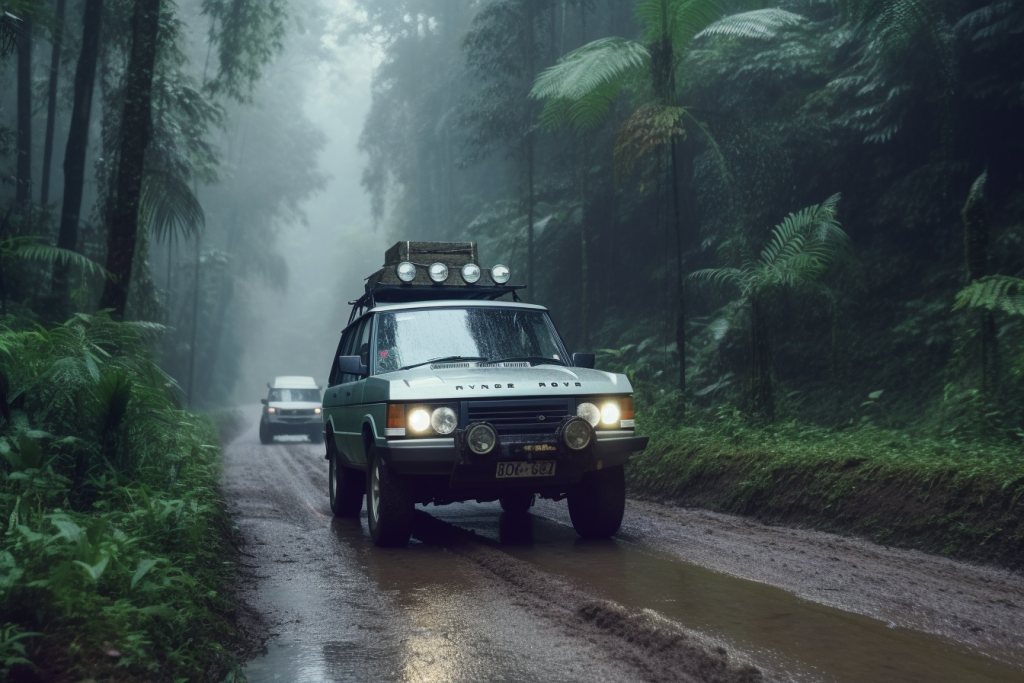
[385, 285]
[402, 294]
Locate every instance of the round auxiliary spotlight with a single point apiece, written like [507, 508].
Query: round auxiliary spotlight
[500, 274]
[406, 271]
[438, 272]
[481, 438]
[471, 273]
[577, 433]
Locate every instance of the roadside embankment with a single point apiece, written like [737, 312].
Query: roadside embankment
[964, 500]
[115, 561]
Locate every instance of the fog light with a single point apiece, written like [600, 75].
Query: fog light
[406, 271]
[589, 412]
[577, 434]
[470, 273]
[438, 272]
[610, 413]
[500, 274]
[481, 438]
[443, 420]
[419, 420]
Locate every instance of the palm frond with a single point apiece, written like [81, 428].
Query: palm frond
[761, 23]
[168, 206]
[993, 293]
[718, 276]
[607, 62]
[803, 245]
[34, 249]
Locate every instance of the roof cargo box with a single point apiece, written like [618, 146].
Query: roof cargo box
[423, 254]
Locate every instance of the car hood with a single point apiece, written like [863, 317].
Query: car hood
[424, 383]
[294, 405]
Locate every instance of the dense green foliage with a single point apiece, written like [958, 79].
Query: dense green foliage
[115, 541]
[674, 134]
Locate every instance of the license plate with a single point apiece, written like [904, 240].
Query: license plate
[540, 468]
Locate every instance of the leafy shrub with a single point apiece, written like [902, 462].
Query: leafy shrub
[113, 552]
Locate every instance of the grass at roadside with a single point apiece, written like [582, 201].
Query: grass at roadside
[116, 548]
[962, 499]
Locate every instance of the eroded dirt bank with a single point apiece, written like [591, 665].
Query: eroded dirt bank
[679, 595]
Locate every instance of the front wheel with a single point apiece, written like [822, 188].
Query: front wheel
[516, 503]
[266, 436]
[345, 486]
[598, 502]
[389, 504]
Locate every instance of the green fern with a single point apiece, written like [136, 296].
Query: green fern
[762, 23]
[34, 249]
[993, 293]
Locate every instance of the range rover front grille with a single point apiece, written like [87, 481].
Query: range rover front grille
[525, 416]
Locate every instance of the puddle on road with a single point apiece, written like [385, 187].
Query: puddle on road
[779, 630]
[413, 614]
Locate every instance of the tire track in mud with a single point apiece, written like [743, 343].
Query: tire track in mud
[656, 648]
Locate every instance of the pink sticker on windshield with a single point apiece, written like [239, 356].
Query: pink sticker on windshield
[383, 353]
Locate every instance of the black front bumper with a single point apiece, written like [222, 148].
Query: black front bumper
[443, 457]
[283, 428]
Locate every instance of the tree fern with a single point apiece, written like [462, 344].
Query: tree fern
[761, 23]
[34, 249]
[993, 293]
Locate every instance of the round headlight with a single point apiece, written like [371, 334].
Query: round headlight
[610, 413]
[443, 420]
[317, 411]
[419, 420]
[481, 439]
[470, 273]
[576, 434]
[406, 271]
[438, 272]
[500, 274]
[589, 412]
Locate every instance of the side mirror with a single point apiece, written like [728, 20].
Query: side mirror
[263, 401]
[352, 365]
[583, 360]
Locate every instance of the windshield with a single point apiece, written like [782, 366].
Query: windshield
[407, 338]
[295, 395]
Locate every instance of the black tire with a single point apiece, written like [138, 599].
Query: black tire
[597, 503]
[317, 435]
[266, 436]
[345, 486]
[517, 503]
[389, 503]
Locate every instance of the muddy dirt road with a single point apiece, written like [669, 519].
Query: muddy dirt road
[678, 595]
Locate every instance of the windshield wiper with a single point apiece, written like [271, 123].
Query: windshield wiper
[442, 359]
[542, 359]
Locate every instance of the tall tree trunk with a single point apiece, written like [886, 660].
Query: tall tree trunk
[530, 161]
[762, 395]
[136, 128]
[680, 276]
[195, 327]
[976, 242]
[51, 102]
[584, 256]
[78, 140]
[23, 188]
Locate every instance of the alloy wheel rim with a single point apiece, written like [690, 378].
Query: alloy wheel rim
[375, 491]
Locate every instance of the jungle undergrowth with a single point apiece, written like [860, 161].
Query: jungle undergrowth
[116, 547]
